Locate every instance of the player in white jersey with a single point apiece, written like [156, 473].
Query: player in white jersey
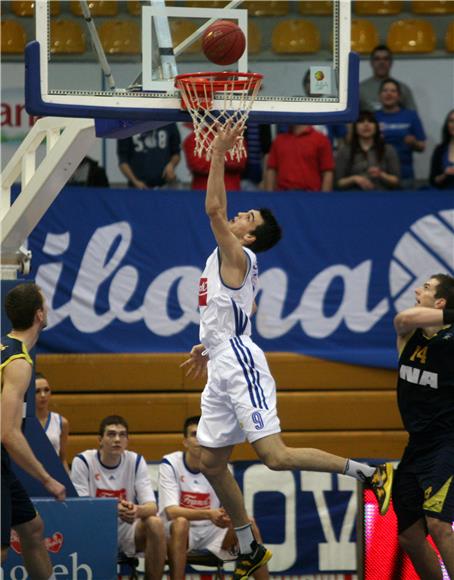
[239, 399]
[55, 425]
[194, 516]
[112, 471]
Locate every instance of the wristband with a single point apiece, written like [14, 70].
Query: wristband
[448, 316]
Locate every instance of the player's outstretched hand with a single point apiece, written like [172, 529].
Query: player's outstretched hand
[225, 139]
[196, 364]
[56, 488]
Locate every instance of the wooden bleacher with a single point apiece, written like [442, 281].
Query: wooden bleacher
[341, 408]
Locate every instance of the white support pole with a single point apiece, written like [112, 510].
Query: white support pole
[68, 142]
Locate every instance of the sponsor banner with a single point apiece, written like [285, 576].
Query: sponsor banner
[76, 549]
[121, 269]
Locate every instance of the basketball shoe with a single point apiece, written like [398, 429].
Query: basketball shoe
[381, 484]
[246, 564]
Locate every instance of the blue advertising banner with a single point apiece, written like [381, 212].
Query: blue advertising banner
[121, 268]
[77, 549]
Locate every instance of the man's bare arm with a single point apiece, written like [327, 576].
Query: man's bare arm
[417, 317]
[217, 516]
[16, 378]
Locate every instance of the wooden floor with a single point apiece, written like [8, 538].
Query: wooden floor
[343, 409]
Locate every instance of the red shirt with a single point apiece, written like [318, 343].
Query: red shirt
[200, 167]
[301, 159]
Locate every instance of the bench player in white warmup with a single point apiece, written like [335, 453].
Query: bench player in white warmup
[239, 399]
[195, 517]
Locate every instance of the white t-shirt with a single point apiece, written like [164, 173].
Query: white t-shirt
[53, 429]
[129, 480]
[225, 312]
[179, 486]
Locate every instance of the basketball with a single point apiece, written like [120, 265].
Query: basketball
[223, 42]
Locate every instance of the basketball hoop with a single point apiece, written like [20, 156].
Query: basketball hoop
[233, 92]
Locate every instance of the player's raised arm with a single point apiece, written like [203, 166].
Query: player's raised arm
[216, 199]
[417, 317]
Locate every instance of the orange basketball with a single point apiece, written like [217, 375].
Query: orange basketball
[223, 42]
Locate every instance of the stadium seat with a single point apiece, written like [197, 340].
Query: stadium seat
[377, 7]
[316, 7]
[364, 35]
[120, 37]
[266, 7]
[295, 36]
[254, 37]
[97, 8]
[14, 37]
[181, 28]
[411, 36]
[66, 37]
[432, 6]
[449, 37]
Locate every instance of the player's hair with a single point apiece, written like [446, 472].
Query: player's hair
[194, 420]
[112, 420]
[267, 234]
[379, 143]
[445, 288]
[21, 304]
[445, 134]
[40, 376]
[381, 47]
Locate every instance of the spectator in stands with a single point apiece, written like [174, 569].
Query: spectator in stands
[149, 159]
[302, 158]
[55, 426]
[401, 128]
[381, 60]
[200, 167]
[442, 164]
[113, 471]
[195, 518]
[258, 139]
[89, 174]
[367, 162]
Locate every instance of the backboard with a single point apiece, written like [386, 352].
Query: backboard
[134, 50]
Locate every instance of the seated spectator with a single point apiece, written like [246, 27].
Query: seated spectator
[302, 159]
[112, 471]
[195, 518]
[55, 426]
[442, 163]
[401, 128]
[367, 162]
[89, 174]
[381, 61]
[200, 167]
[149, 160]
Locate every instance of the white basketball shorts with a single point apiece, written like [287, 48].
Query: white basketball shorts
[207, 537]
[239, 399]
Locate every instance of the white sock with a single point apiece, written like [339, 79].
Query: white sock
[245, 538]
[52, 577]
[358, 470]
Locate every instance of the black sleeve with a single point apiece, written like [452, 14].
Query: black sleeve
[436, 167]
[124, 149]
[265, 138]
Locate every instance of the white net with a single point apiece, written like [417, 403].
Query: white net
[231, 93]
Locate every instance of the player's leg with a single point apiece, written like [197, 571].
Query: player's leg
[35, 555]
[177, 546]
[149, 537]
[423, 557]
[443, 536]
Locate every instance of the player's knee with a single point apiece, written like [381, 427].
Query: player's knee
[275, 461]
[31, 533]
[212, 470]
[154, 527]
[438, 529]
[180, 527]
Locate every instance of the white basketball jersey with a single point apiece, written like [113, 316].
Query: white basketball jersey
[180, 486]
[225, 312]
[129, 480]
[53, 430]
